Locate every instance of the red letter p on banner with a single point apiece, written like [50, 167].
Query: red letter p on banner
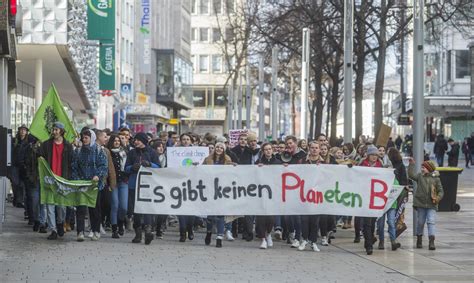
[374, 194]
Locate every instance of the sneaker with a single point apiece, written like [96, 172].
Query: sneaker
[295, 244]
[357, 239]
[269, 241]
[228, 236]
[292, 236]
[207, 240]
[42, 229]
[315, 247]
[302, 245]
[263, 245]
[219, 241]
[80, 237]
[115, 235]
[159, 234]
[277, 235]
[95, 236]
[102, 231]
[91, 234]
[324, 241]
[53, 236]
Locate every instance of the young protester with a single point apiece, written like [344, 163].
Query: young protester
[119, 202]
[310, 223]
[386, 163]
[186, 222]
[90, 163]
[217, 158]
[401, 177]
[160, 220]
[303, 144]
[141, 155]
[428, 194]
[372, 160]
[59, 154]
[264, 224]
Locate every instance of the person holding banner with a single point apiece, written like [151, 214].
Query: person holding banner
[310, 223]
[160, 220]
[428, 194]
[372, 160]
[141, 155]
[90, 163]
[264, 224]
[186, 222]
[119, 203]
[59, 154]
[218, 157]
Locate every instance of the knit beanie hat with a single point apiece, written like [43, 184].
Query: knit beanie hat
[221, 144]
[142, 137]
[429, 165]
[372, 150]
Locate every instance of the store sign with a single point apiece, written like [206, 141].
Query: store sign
[107, 67]
[145, 37]
[101, 19]
[125, 90]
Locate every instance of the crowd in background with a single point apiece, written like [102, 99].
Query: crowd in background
[114, 158]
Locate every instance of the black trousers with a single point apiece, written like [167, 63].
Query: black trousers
[94, 216]
[248, 225]
[138, 219]
[105, 200]
[160, 221]
[326, 223]
[357, 226]
[368, 230]
[309, 227]
[264, 225]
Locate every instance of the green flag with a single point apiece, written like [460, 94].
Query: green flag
[59, 191]
[51, 110]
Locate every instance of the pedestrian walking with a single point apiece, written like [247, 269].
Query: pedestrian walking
[440, 148]
[466, 151]
[428, 194]
[453, 153]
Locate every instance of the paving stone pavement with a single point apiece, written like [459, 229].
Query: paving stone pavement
[26, 256]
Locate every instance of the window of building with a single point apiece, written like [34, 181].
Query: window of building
[204, 34]
[131, 53]
[203, 63]
[230, 6]
[229, 64]
[199, 98]
[194, 34]
[217, 6]
[448, 66]
[204, 7]
[122, 50]
[132, 17]
[220, 97]
[229, 34]
[462, 64]
[193, 6]
[216, 35]
[216, 63]
[193, 62]
[127, 52]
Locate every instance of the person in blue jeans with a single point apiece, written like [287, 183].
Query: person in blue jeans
[119, 201]
[218, 157]
[428, 194]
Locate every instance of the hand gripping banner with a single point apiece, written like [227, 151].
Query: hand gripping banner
[266, 190]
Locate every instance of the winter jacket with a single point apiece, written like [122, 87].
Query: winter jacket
[425, 184]
[297, 156]
[46, 151]
[453, 155]
[31, 162]
[119, 158]
[440, 147]
[209, 161]
[90, 161]
[20, 148]
[244, 154]
[111, 174]
[272, 161]
[135, 157]
[232, 155]
[366, 163]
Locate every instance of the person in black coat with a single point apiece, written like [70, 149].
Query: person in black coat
[453, 154]
[242, 151]
[439, 149]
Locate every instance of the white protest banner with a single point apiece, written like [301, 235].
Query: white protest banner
[234, 136]
[266, 190]
[186, 156]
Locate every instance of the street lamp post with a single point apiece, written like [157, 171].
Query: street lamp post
[304, 83]
[418, 90]
[274, 112]
[348, 24]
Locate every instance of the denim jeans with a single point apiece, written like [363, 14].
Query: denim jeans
[119, 203]
[440, 160]
[52, 212]
[43, 213]
[218, 221]
[427, 215]
[186, 223]
[33, 196]
[228, 226]
[392, 228]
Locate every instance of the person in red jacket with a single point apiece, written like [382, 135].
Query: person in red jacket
[372, 160]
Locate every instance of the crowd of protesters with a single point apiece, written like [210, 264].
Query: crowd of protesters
[113, 159]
